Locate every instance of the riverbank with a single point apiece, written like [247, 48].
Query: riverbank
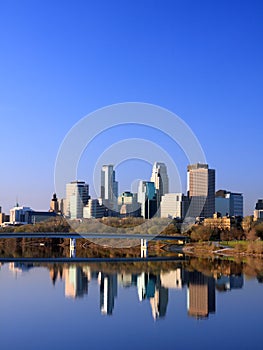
[225, 249]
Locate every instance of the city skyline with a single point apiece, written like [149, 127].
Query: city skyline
[200, 198]
[202, 61]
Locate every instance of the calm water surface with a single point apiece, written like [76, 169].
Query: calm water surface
[129, 306]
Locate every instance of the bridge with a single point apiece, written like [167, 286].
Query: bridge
[143, 238]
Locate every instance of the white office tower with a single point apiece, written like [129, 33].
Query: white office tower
[173, 206]
[77, 196]
[160, 179]
[109, 188]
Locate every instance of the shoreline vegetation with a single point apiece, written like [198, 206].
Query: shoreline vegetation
[239, 242]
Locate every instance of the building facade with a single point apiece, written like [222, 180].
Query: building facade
[147, 199]
[54, 204]
[201, 190]
[173, 205]
[93, 209]
[109, 188]
[221, 222]
[229, 203]
[77, 196]
[128, 205]
[258, 212]
[160, 179]
[20, 215]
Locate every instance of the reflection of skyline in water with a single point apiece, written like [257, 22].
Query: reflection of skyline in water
[152, 287]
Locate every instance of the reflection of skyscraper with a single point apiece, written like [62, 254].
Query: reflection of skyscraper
[76, 282]
[17, 267]
[224, 283]
[159, 303]
[172, 279]
[141, 286]
[149, 287]
[127, 279]
[201, 295]
[108, 291]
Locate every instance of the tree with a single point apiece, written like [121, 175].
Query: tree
[200, 233]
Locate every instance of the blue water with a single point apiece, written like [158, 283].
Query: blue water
[106, 307]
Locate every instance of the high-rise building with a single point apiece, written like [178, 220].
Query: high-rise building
[147, 199]
[173, 205]
[109, 187]
[77, 196]
[93, 210]
[201, 190]
[160, 179]
[228, 203]
[258, 212]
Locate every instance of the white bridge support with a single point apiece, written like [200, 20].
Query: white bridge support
[144, 248]
[72, 247]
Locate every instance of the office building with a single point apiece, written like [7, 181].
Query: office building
[160, 179]
[20, 215]
[77, 196]
[109, 188]
[93, 209]
[128, 205]
[228, 203]
[147, 199]
[173, 205]
[258, 212]
[201, 190]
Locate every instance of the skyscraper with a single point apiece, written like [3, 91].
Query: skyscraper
[160, 179]
[77, 196]
[147, 199]
[201, 190]
[109, 187]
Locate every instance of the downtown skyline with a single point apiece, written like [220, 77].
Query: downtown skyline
[59, 63]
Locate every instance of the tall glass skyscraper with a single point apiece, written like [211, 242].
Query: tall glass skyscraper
[147, 199]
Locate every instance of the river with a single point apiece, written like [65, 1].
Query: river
[194, 304]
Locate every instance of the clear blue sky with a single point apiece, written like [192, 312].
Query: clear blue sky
[60, 60]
